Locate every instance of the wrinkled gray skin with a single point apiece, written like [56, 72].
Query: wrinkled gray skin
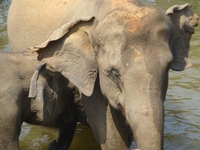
[65, 136]
[117, 53]
[51, 106]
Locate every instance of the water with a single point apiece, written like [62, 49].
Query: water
[38, 137]
[182, 105]
[4, 5]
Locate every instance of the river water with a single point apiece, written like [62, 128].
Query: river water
[182, 105]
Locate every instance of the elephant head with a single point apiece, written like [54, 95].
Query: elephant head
[54, 93]
[184, 21]
[129, 51]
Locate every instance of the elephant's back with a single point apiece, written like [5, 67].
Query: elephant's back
[17, 68]
[32, 22]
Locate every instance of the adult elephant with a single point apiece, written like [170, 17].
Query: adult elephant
[113, 51]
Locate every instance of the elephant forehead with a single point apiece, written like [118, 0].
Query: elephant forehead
[137, 20]
[131, 57]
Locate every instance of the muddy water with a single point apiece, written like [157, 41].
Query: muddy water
[182, 105]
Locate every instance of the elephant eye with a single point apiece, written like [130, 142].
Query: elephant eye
[114, 75]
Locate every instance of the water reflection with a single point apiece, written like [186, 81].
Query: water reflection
[38, 137]
[4, 4]
[182, 105]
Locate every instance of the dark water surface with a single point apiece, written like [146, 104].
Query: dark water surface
[182, 105]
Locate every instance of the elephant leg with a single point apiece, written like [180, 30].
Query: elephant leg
[10, 124]
[7, 140]
[65, 137]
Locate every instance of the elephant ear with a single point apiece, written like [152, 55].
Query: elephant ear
[44, 86]
[70, 51]
[33, 83]
[177, 8]
[184, 21]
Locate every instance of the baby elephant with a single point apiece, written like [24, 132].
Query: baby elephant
[32, 92]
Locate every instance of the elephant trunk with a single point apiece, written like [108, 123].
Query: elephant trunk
[180, 46]
[144, 112]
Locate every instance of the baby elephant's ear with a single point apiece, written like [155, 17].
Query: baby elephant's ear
[43, 87]
[33, 83]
